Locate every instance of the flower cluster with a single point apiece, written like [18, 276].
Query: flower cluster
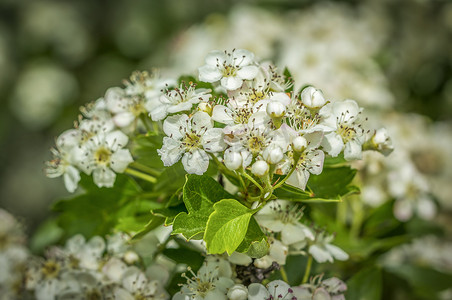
[97, 146]
[93, 269]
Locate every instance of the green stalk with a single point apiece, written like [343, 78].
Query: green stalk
[283, 274]
[252, 180]
[144, 168]
[140, 175]
[308, 270]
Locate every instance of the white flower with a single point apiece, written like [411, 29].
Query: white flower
[329, 289]
[281, 216]
[229, 68]
[88, 254]
[277, 289]
[125, 109]
[346, 118]
[411, 191]
[177, 100]
[206, 284]
[190, 138]
[312, 97]
[322, 250]
[65, 160]
[150, 86]
[103, 155]
[137, 286]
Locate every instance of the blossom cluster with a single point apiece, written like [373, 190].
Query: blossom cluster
[94, 269]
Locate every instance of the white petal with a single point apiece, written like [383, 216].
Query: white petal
[159, 112]
[215, 57]
[173, 124]
[116, 139]
[201, 121]
[320, 254]
[196, 162]
[270, 222]
[209, 73]
[337, 252]
[278, 251]
[114, 99]
[222, 114]
[213, 140]
[248, 72]
[403, 209]
[242, 57]
[299, 178]
[281, 98]
[321, 294]
[292, 234]
[425, 208]
[171, 152]
[316, 165]
[231, 83]
[104, 177]
[257, 291]
[183, 106]
[123, 119]
[71, 178]
[120, 160]
[332, 144]
[277, 288]
[353, 150]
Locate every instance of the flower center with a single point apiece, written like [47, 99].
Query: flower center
[255, 144]
[229, 70]
[191, 141]
[204, 288]
[347, 133]
[50, 269]
[102, 156]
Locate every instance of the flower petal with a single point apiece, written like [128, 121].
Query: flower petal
[104, 177]
[173, 125]
[209, 73]
[213, 140]
[247, 72]
[231, 83]
[196, 162]
[120, 160]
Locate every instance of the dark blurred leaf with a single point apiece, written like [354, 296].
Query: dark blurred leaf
[48, 233]
[365, 285]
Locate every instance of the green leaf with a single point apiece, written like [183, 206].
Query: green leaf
[95, 211]
[291, 193]
[144, 150]
[424, 280]
[227, 226]
[289, 79]
[199, 195]
[365, 285]
[48, 233]
[332, 183]
[171, 179]
[155, 222]
[255, 242]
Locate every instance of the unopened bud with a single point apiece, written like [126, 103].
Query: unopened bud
[238, 292]
[232, 160]
[312, 97]
[276, 109]
[382, 141]
[131, 257]
[205, 107]
[299, 144]
[260, 168]
[273, 154]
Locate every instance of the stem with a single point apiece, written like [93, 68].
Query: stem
[287, 176]
[308, 270]
[144, 168]
[283, 274]
[145, 123]
[253, 181]
[140, 175]
[357, 220]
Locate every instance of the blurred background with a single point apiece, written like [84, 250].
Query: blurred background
[393, 57]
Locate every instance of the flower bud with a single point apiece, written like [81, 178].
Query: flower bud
[260, 168]
[131, 257]
[273, 154]
[232, 160]
[382, 141]
[299, 144]
[205, 107]
[238, 292]
[276, 109]
[312, 97]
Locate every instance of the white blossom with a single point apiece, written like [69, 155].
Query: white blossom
[189, 138]
[231, 69]
[322, 250]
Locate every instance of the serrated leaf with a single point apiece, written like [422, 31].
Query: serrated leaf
[227, 226]
[255, 242]
[199, 195]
